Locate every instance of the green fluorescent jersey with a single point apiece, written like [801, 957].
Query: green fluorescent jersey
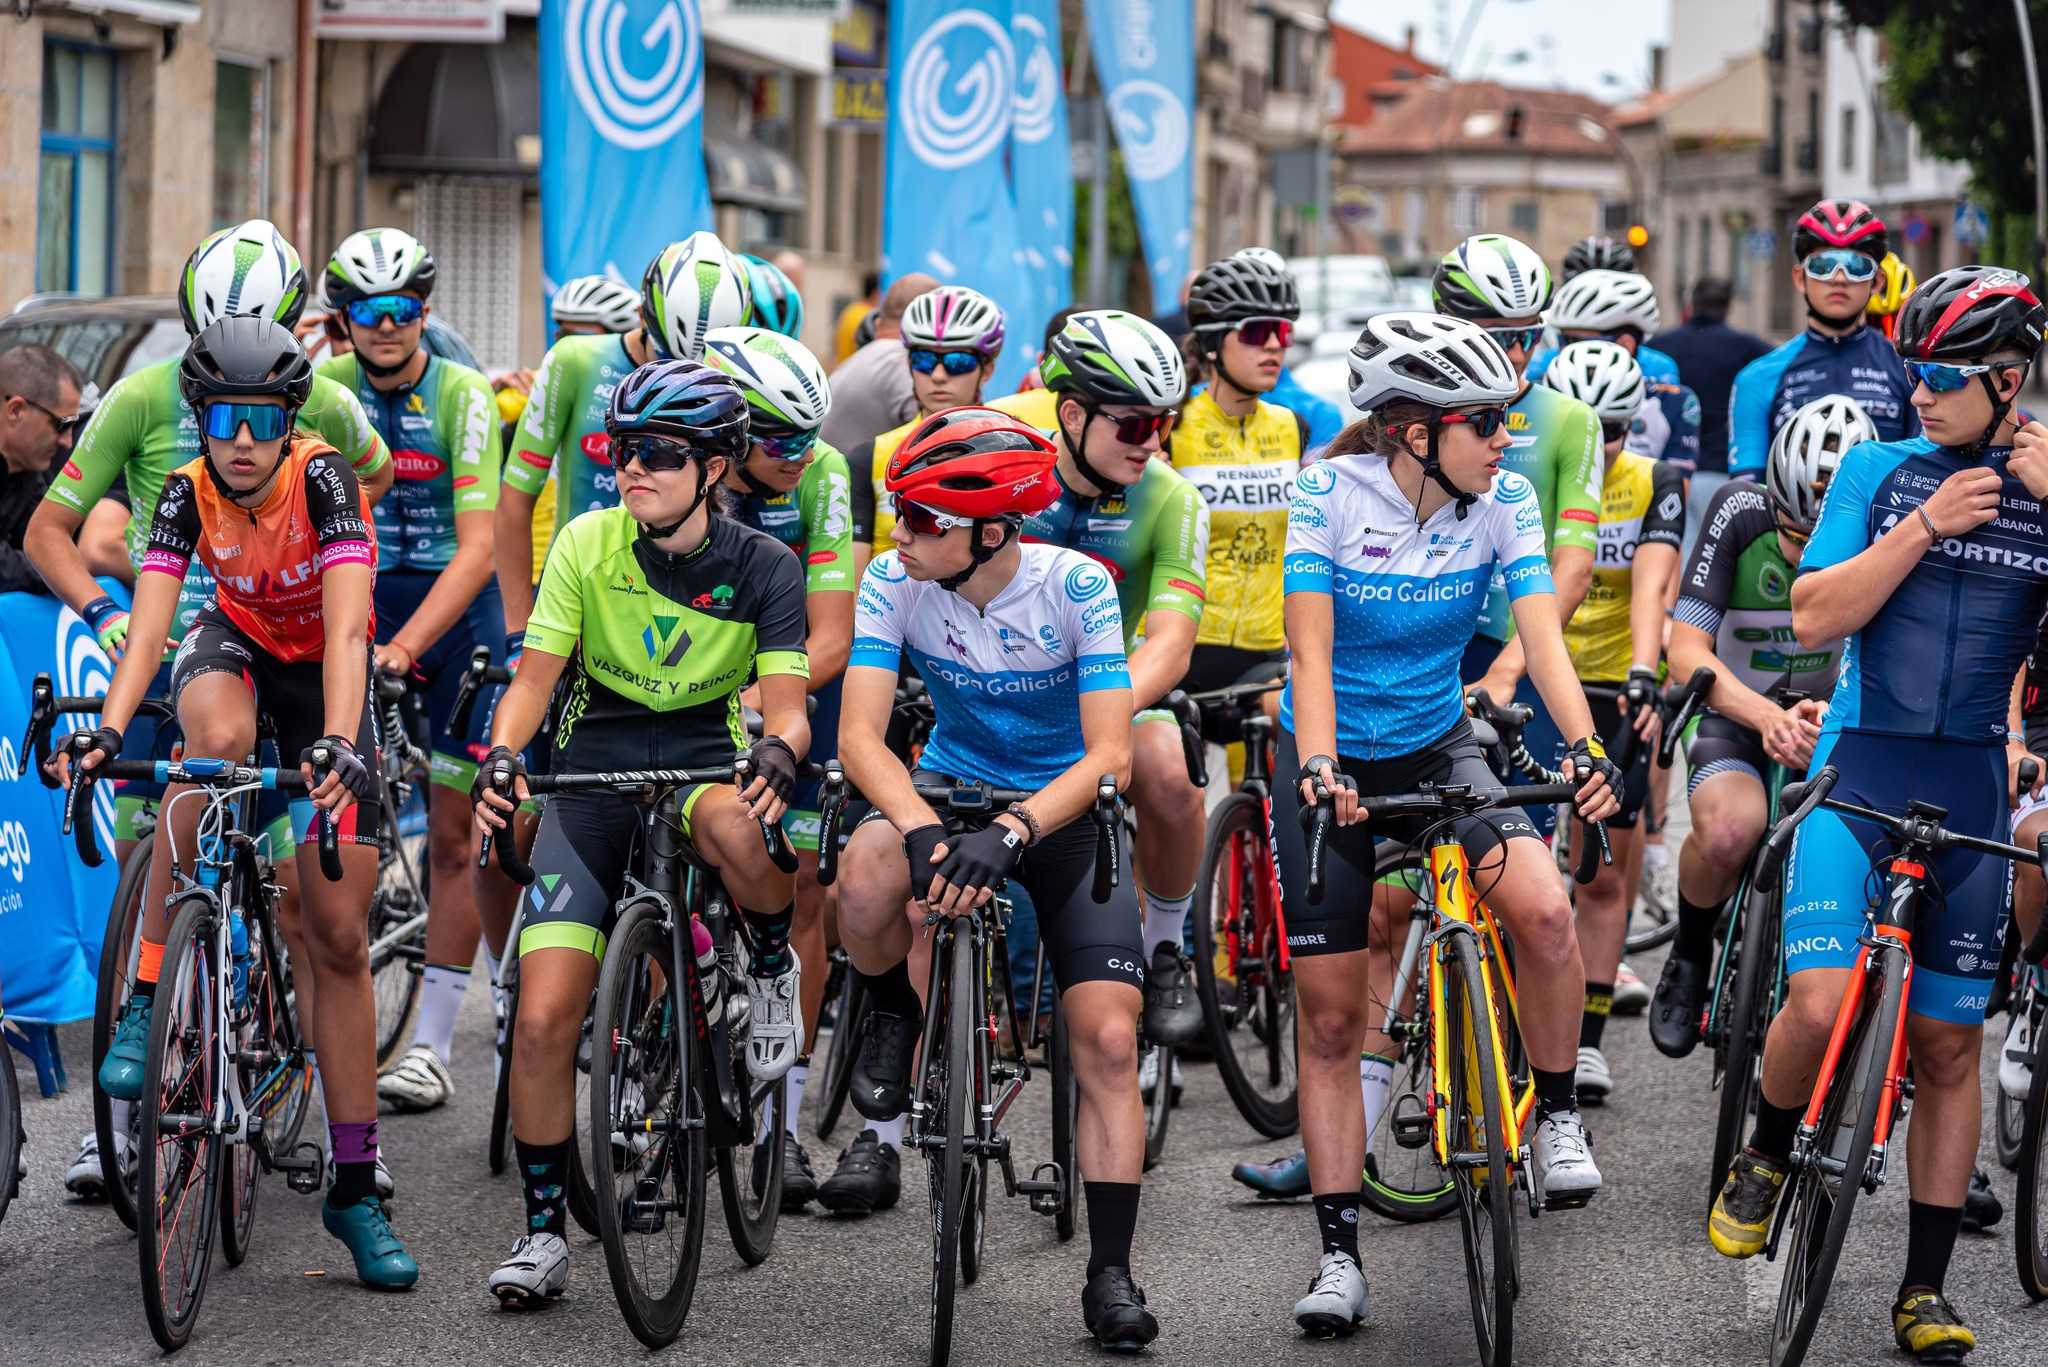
[144, 429]
[663, 643]
[444, 439]
[815, 520]
[561, 435]
[1554, 443]
[1153, 537]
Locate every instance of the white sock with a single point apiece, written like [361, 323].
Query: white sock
[890, 1131]
[441, 992]
[119, 1111]
[797, 1073]
[1376, 1076]
[1655, 855]
[1166, 919]
[319, 1098]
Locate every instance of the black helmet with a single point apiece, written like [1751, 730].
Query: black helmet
[684, 400]
[1969, 313]
[245, 356]
[1229, 291]
[1597, 254]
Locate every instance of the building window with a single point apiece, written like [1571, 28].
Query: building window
[1848, 137]
[1738, 259]
[1890, 149]
[1413, 228]
[1522, 216]
[1465, 210]
[241, 142]
[75, 186]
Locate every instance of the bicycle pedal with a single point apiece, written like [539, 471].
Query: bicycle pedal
[304, 1168]
[1410, 1122]
[1571, 1202]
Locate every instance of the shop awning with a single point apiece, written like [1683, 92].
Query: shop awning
[464, 109]
[744, 171]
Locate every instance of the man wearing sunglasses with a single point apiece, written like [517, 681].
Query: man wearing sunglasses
[39, 419]
[436, 600]
[1837, 248]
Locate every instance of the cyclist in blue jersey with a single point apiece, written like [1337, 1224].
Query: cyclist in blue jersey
[1621, 307]
[1837, 246]
[1931, 557]
[1620, 284]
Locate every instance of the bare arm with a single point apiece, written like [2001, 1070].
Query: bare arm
[1161, 659]
[378, 483]
[525, 703]
[1571, 574]
[1550, 665]
[871, 767]
[1838, 601]
[49, 543]
[829, 638]
[103, 542]
[1656, 566]
[149, 627]
[1106, 734]
[345, 613]
[1690, 650]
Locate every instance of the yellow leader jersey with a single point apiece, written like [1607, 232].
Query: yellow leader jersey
[1642, 503]
[1244, 468]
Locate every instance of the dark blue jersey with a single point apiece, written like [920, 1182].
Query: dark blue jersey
[1862, 366]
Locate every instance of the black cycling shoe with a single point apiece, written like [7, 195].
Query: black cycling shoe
[869, 1178]
[1173, 1013]
[879, 1083]
[1981, 1208]
[1114, 1310]
[799, 1181]
[1675, 1006]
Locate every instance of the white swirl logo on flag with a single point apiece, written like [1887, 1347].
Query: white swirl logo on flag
[1038, 81]
[632, 111]
[83, 670]
[1151, 128]
[952, 120]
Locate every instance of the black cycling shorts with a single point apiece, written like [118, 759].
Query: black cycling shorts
[1721, 745]
[581, 857]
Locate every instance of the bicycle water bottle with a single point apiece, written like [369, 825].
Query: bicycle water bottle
[708, 972]
[238, 946]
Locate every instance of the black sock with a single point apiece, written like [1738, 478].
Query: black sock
[147, 991]
[1593, 1020]
[1775, 1126]
[1337, 1219]
[353, 1182]
[1112, 1221]
[1930, 1239]
[891, 991]
[544, 1177]
[1696, 930]
[1556, 1091]
[771, 940]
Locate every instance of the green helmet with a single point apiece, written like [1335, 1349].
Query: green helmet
[248, 268]
[1105, 356]
[783, 381]
[691, 287]
[1490, 277]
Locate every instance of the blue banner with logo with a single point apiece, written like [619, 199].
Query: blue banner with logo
[53, 910]
[1041, 171]
[1145, 54]
[948, 208]
[621, 135]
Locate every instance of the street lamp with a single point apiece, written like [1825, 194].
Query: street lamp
[2026, 27]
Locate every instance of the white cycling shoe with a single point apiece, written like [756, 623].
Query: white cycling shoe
[1631, 993]
[1564, 1161]
[537, 1271]
[1148, 1075]
[86, 1177]
[775, 1023]
[2015, 1077]
[1336, 1302]
[419, 1081]
[1595, 1080]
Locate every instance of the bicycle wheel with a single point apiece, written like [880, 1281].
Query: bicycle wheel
[644, 1100]
[398, 928]
[1247, 999]
[118, 951]
[178, 1168]
[1066, 1103]
[1748, 1018]
[1404, 1183]
[951, 1076]
[2030, 1222]
[500, 1141]
[1824, 1187]
[11, 1135]
[1478, 1119]
[2010, 1123]
[255, 1033]
[850, 1000]
[750, 1174]
[1653, 921]
[1159, 1109]
[582, 1188]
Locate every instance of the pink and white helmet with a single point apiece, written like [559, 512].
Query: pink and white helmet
[954, 318]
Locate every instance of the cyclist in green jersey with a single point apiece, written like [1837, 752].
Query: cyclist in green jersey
[435, 599]
[795, 488]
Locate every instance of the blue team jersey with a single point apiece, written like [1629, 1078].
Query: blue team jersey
[1325, 420]
[1938, 659]
[1863, 366]
[1656, 365]
[1667, 426]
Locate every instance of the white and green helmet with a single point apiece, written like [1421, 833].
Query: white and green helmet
[378, 261]
[1491, 277]
[693, 286]
[1106, 356]
[248, 268]
[784, 384]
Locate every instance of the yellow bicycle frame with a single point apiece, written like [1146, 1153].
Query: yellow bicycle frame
[1456, 901]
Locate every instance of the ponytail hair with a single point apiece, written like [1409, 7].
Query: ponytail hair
[1380, 432]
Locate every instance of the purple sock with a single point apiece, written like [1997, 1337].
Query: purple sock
[355, 1162]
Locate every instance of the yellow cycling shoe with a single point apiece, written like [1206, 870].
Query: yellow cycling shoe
[1926, 1327]
[1741, 1221]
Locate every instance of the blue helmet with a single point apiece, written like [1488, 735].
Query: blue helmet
[777, 305]
[685, 400]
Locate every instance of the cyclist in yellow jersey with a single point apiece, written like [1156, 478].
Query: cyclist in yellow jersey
[1615, 639]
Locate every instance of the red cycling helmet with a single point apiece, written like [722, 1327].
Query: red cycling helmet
[1840, 223]
[1970, 312]
[976, 462]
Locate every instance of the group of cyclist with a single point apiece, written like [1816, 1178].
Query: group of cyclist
[678, 572]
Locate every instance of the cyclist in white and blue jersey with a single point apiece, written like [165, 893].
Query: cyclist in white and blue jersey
[1391, 543]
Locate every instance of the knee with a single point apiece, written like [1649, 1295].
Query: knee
[1108, 1046]
[871, 891]
[1334, 1031]
[1945, 1056]
[338, 944]
[547, 1026]
[217, 737]
[1811, 1002]
[1545, 935]
[1725, 844]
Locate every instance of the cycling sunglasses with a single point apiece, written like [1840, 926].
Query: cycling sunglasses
[1839, 260]
[654, 453]
[65, 426]
[923, 521]
[401, 309]
[1484, 421]
[1259, 332]
[788, 444]
[924, 362]
[1509, 338]
[266, 422]
[1138, 428]
[1944, 379]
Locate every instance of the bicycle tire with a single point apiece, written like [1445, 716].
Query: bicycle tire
[974, 1202]
[1265, 1019]
[582, 1186]
[116, 975]
[2030, 1219]
[1158, 1110]
[1817, 1218]
[263, 1026]
[838, 1072]
[167, 1167]
[1478, 1117]
[1749, 1018]
[499, 1143]
[12, 1136]
[1066, 1103]
[404, 876]
[1404, 1184]
[647, 1071]
[753, 1198]
[1661, 928]
[952, 1073]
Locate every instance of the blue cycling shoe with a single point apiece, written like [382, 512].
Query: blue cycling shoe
[121, 1070]
[381, 1260]
[1279, 1180]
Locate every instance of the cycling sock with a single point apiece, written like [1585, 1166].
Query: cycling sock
[771, 940]
[890, 1131]
[798, 1072]
[1337, 1219]
[354, 1145]
[1166, 919]
[1593, 1020]
[545, 1168]
[891, 991]
[1375, 1079]
[1772, 1137]
[1930, 1239]
[441, 991]
[149, 965]
[1695, 930]
[1556, 1091]
[319, 1096]
[1112, 1221]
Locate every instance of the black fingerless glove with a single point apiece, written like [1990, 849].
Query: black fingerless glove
[1312, 770]
[1588, 758]
[499, 772]
[774, 761]
[918, 845]
[103, 741]
[1641, 689]
[343, 762]
[983, 858]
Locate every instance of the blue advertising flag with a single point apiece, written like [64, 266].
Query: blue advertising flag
[1041, 171]
[622, 135]
[1145, 54]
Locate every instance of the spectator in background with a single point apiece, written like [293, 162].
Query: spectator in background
[39, 417]
[871, 388]
[1709, 353]
[848, 322]
[791, 264]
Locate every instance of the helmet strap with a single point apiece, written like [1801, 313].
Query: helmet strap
[1999, 408]
[1077, 449]
[1223, 374]
[1433, 468]
[980, 552]
[755, 485]
[242, 498]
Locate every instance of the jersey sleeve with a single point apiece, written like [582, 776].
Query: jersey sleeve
[335, 415]
[474, 442]
[174, 530]
[878, 616]
[103, 448]
[1843, 529]
[1749, 411]
[1578, 467]
[1096, 624]
[1664, 520]
[1517, 525]
[334, 502]
[1736, 515]
[557, 621]
[860, 462]
[544, 423]
[779, 630]
[1309, 564]
[1180, 554]
[827, 507]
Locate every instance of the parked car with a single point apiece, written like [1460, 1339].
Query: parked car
[1338, 293]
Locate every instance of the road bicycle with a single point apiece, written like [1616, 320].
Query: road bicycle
[398, 907]
[2030, 1144]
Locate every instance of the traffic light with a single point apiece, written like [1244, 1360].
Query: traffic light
[1638, 236]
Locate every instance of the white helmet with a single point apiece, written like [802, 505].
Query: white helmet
[1806, 451]
[378, 261]
[693, 286]
[1604, 301]
[1601, 375]
[784, 384]
[954, 318]
[1430, 359]
[1265, 256]
[1106, 356]
[1490, 276]
[248, 268]
[611, 304]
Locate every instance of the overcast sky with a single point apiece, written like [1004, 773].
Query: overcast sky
[1577, 44]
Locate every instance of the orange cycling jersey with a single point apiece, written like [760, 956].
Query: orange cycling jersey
[267, 560]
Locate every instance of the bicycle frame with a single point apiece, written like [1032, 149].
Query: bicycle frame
[1459, 911]
[987, 1067]
[1713, 1026]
